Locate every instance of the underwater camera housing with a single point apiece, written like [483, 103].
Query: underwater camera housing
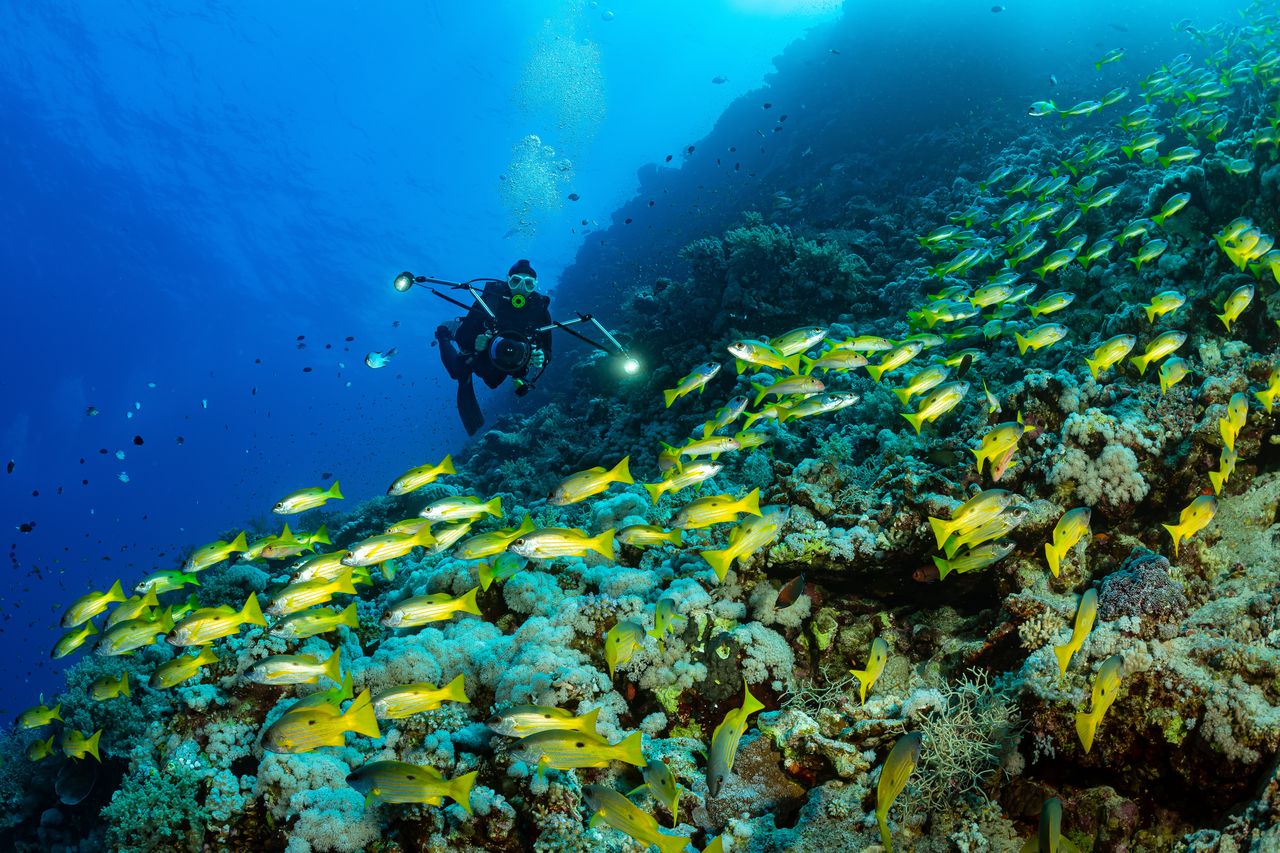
[510, 352]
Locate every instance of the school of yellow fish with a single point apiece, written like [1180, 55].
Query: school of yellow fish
[992, 264]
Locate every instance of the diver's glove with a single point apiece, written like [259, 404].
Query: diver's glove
[537, 359]
[482, 341]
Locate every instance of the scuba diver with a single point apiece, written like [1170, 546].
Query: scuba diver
[506, 332]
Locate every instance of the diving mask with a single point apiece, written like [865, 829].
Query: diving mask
[522, 284]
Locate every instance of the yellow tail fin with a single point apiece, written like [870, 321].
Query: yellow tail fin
[239, 544]
[602, 544]
[670, 395]
[941, 529]
[751, 503]
[720, 561]
[621, 473]
[1052, 556]
[460, 790]
[1093, 368]
[494, 507]
[124, 683]
[916, 420]
[587, 721]
[1023, 343]
[455, 691]
[1063, 653]
[631, 750]
[116, 593]
[1217, 479]
[944, 567]
[321, 537]
[91, 745]
[446, 465]
[251, 613]
[349, 617]
[334, 492]
[1140, 362]
[875, 371]
[333, 667]
[1086, 727]
[359, 717]
[864, 682]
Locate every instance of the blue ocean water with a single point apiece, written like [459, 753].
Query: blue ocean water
[204, 209]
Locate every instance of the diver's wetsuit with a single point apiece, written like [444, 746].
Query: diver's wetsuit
[461, 360]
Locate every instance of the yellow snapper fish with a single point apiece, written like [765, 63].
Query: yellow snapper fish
[1233, 421]
[311, 727]
[1267, 396]
[299, 596]
[165, 580]
[126, 637]
[748, 438]
[40, 715]
[207, 624]
[295, 669]
[993, 405]
[1164, 302]
[666, 620]
[325, 566]
[621, 643]
[90, 605]
[1143, 142]
[839, 360]
[424, 609]
[494, 542]
[405, 700]
[695, 381]
[998, 440]
[131, 608]
[716, 509]
[1097, 252]
[728, 413]
[1226, 467]
[804, 385]
[461, 508]
[1041, 336]
[525, 720]
[760, 354]
[1109, 353]
[975, 558]
[593, 481]
[799, 340]
[921, 382]
[1148, 253]
[649, 536]
[819, 404]
[1049, 838]
[876, 662]
[1172, 371]
[662, 785]
[186, 608]
[387, 546]
[993, 528]
[182, 668]
[1172, 206]
[215, 552]
[1136, 228]
[416, 478]
[980, 508]
[549, 543]
[320, 620]
[40, 749]
[1235, 305]
[1106, 686]
[399, 782]
[867, 343]
[937, 403]
[76, 745]
[1086, 612]
[712, 446]
[305, 499]
[724, 740]
[500, 568]
[292, 544]
[752, 534]
[571, 750]
[107, 687]
[894, 359]
[897, 769]
[1055, 261]
[613, 809]
[333, 697]
[1183, 154]
[1164, 344]
[991, 294]
[1070, 529]
[1194, 518]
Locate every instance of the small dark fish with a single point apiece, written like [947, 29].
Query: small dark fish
[253, 392]
[782, 118]
[301, 345]
[584, 222]
[768, 105]
[137, 441]
[777, 130]
[350, 338]
[965, 364]
[669, 156]
[257, 361]
[26, 527]
[925, 574]
[102, 450]
[574, 196]
[651, 202]
[92, 411]
[689, 150]
[790, 591]
[302, 337]
[181, 441]
[326, 475]
[719, 80]
[733, 149]
[627, 221]
[835, 51]
[395, 324]
[75, 781]
[997, 8]
[306, 370]
[9, 468]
